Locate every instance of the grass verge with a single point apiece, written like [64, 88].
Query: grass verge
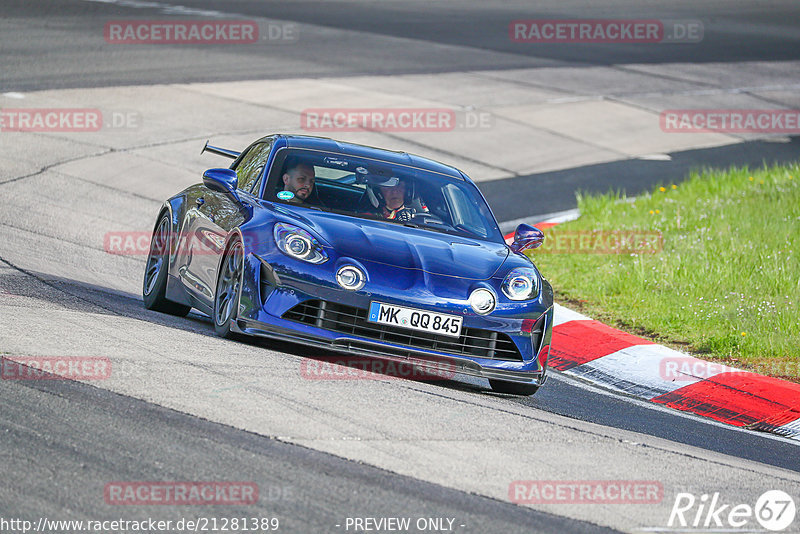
[726, 285]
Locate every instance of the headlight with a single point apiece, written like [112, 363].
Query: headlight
[351, 277]
[299, 244]
[521, 283]
[482, 301]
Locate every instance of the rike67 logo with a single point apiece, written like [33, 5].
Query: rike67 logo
[774, 511]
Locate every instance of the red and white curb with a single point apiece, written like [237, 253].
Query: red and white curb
[616, 360]
[622, 362]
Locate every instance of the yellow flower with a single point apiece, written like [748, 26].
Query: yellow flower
[674, 186]
[751, 178]
[658, 211]
[761, 182]
[662, 189]
[651, 212]
[744, 334]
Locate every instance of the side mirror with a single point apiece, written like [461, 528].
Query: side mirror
[221, 180]
[525, 237]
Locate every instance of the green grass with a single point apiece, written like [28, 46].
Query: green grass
[726, 285]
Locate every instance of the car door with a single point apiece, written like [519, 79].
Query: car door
[212, 218]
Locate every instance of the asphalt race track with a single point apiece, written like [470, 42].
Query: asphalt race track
[536, 123]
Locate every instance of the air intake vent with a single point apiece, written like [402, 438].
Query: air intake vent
[473, 342]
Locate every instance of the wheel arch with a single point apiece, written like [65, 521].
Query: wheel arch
[250, 287]
[173, 208]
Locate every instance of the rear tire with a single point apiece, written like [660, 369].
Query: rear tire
[154, 285]
[229, 285]
[513, 388]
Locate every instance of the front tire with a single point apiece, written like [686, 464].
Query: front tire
[229, 285]
[513, 388]
[154, 286]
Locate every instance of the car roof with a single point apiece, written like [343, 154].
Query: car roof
[390, 156]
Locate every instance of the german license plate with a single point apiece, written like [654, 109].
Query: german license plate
[434, 323]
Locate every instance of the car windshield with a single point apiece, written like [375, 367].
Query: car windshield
[378, 190]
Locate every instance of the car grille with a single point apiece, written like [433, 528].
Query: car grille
[350, 320]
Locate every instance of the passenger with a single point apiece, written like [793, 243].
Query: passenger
[298, 179]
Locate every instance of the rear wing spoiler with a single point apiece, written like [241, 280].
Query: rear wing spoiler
[220, 151]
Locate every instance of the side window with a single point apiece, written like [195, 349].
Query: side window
[250, 167]
[465, 213]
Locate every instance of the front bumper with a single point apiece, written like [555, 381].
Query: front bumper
[268, 295]
[426, 360]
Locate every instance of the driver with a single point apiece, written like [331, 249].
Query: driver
[393, 200]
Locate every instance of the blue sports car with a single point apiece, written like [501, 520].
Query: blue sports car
[359, 250]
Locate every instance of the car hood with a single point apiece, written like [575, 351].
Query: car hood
[405, 247]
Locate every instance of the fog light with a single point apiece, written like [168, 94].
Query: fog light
[482, 301]
[351, 278]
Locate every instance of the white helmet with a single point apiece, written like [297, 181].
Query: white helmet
[375, 178]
